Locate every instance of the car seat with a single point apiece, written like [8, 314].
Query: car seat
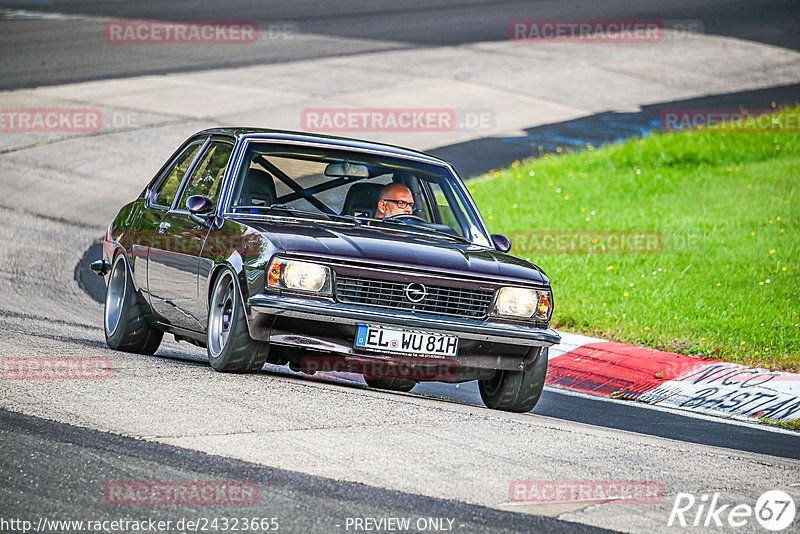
[362, 200]
[258, 190]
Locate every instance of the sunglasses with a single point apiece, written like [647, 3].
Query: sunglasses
[400, 203]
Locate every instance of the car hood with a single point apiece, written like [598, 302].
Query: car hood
[382, 246]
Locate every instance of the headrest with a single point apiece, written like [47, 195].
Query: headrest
[258, 189]
[362, 200]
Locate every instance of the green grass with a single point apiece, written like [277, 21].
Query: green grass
[791, 425]
[725, 285]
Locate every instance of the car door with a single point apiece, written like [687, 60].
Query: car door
[173, 260]
[159, 197]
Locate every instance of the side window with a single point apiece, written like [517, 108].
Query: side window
[206, 179]
[169, 186]
[443, 207]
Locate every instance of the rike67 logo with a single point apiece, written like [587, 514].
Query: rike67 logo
[774, 510]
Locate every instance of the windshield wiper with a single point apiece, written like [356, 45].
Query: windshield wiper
[445, 234]
[348, 218]
[316, 214]
[428, 229]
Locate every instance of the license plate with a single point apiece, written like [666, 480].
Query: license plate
[383, 339]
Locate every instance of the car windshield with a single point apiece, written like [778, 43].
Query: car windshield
[362, 188]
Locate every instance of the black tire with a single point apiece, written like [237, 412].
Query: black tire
[127, 319]
[228, 343]
[515, 391]
[393, 384]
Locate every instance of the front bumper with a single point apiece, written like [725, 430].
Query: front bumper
[329, 327]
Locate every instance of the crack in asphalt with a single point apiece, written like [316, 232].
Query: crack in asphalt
[51, 218]
[65, 339]
[26, 316]
[310, 428]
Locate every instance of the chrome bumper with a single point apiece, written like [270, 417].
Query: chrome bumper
[334, 312]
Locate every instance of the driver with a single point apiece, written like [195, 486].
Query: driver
[395, 199]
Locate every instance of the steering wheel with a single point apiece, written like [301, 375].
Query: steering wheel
[407, 217]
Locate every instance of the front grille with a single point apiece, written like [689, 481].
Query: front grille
[440, 300]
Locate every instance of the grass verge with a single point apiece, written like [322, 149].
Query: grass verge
[791, 425]
[716, 273]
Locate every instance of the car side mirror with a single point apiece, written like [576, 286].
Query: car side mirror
[199, 204]
[501, 242]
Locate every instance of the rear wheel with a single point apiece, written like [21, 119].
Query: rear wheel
[392, 384]
[515, 391]
[229, 345]
[127, 318]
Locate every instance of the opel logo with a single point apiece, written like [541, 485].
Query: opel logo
[416, 292]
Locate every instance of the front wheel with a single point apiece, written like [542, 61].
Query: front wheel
[229, 345]
[126, 317]
[515, 391]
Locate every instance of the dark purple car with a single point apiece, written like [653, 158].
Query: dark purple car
[287, 248]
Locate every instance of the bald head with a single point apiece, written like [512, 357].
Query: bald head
[390, 195]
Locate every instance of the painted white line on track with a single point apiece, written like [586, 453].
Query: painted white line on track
[22, 14]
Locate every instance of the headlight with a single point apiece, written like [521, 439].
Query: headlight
[299, 275]
[524, 303]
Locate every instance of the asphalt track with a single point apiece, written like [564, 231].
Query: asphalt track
[47, 52]
[34, 448]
